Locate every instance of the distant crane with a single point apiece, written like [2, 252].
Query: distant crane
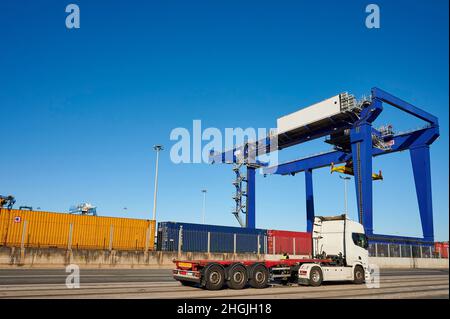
[7, 201]
[83, 209]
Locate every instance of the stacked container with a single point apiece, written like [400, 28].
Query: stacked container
[291, 242]
[221, 239]
[62, 230]
[441, 249]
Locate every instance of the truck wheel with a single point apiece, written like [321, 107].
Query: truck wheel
[358, 275]
[259, 276]
[238, 276]
[214, 277]
[315, 277]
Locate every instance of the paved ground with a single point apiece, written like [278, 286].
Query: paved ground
[153, 283]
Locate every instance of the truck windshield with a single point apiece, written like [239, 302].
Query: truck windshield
[360, 240]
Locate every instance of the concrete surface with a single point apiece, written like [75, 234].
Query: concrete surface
[396, 262]
[57, 258]
[156, 283]
[54, 258]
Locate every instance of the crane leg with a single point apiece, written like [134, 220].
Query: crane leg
[309, 200]
[361, 140]
[420, 159]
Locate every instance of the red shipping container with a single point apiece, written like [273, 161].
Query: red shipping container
[291, 242]
[441, 249]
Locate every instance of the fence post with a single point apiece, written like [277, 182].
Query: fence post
[180, 240]
[376, 249]
[421, 252]
[69, 242]
[389, 250]
[147, 238]
[431, 254]
[111, 234]
[209, 242]
[293, 245]
[265, 244]
[411, 251]
[24, 231]
[400, 250]
[259, 246]
[234, 249]
[22, 243]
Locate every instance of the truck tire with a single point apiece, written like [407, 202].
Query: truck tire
[259, 276]
[238, 276]
[358, 275]
[214, 277]
[315, 276]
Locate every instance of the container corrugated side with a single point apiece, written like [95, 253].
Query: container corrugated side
[222, 238]
[441, 249]
[52, 230]
[291, 242]
[4, 220]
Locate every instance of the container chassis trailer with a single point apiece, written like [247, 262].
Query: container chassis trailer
[215, 274]
[339, 253]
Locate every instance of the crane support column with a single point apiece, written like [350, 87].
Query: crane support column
[361, 141]
[420, 159]
[250, 217]
[309, 200]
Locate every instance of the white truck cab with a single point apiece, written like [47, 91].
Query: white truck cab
[342, 241]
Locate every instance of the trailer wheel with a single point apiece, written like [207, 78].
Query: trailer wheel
[259, 276]
[238, 276]
[358, 275]
[214, 277]
[315, 276]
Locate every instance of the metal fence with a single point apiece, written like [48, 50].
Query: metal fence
[404, 251]
[214, 242]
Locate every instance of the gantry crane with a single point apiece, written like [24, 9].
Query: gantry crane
[348, 124]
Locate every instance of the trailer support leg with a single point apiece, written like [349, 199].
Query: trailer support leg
[420, 159]
[309, 200]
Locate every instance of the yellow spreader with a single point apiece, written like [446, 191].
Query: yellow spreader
[348, 170]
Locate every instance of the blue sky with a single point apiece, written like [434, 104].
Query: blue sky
[81, 109]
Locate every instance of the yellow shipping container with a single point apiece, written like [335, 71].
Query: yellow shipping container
[63, 230]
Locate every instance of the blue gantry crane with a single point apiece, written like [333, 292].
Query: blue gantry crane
[348, 125]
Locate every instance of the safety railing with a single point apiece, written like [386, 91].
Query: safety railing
[406, 251]
[212, 242]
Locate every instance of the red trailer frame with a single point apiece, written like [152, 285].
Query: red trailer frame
[192, 272]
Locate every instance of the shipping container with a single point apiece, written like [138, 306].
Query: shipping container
[441, 249]
[62, 230]
[221, 239]
[291, 242]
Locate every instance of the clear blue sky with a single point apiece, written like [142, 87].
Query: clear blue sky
[81, 109]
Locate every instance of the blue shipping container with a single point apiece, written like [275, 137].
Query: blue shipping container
[221, 238]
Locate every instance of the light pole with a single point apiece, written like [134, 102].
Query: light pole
[345, 193]
[157, 148]
[204, 205]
